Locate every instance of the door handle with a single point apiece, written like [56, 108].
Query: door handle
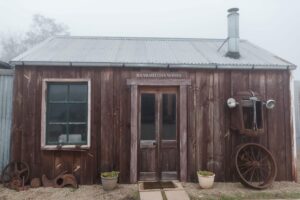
[154, 143]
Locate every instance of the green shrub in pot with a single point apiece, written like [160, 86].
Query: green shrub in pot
[109, 180]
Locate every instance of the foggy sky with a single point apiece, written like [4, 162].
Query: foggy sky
[271, 24]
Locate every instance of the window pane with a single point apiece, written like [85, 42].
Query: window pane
[147, 117]
[57, 112]
[78, 92]
[78, 133]
[57, 92]
[77, 128]
[56, 133]
[77, 112]
[169, 117]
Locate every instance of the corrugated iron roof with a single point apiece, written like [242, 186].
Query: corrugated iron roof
[147, 52]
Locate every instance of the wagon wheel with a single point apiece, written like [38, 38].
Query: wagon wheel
[255, 166]
[15, 169]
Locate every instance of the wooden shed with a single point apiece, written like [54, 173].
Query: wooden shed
[151, 108]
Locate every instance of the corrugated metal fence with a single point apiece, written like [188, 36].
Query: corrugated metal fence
[297, 112]
[6, 90]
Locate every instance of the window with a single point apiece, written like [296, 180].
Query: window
[66, 122]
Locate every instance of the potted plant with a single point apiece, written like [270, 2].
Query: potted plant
[206, 179]
[109, 180]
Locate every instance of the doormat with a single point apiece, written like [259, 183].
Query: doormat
[158, 185]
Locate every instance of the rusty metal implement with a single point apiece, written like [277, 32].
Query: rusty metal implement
[62, 180]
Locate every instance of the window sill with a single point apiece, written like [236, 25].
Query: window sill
[66, 147]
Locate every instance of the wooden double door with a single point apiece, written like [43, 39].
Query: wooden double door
[158, 133]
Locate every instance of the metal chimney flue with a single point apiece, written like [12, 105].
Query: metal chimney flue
[233, 34]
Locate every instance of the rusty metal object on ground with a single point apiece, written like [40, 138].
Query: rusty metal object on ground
[255, 166]
[23, 186]
[14, 172]
[62, 180]
[35, 182]
[46, 182]
[15, 183]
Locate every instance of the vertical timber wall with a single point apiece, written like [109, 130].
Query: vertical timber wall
[210, 141]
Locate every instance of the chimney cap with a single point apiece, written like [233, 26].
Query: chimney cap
[231, 10]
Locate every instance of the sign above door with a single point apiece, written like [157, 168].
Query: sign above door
[161, 75]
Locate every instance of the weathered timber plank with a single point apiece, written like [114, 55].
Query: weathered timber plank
[192, 156]
[17, 127]
[288, 129]
[124, 98]
[29, 98]
[97, 118]
[275, 122]
[37, 118]
[209, 123]
[134, 134]
[201, 88]
[218, 125]
[116, 119]
[107, 137]
[88, 166]
[183, 132]
[227, 136]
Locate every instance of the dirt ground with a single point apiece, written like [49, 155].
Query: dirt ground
[236, 191]
[220, 191]
[123, 192]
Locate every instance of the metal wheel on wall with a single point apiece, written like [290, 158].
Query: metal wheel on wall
[255, 166]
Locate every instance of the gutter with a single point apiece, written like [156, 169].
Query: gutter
[151, 65]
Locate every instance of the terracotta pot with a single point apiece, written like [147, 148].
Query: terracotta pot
[206, 182]
[109, 183]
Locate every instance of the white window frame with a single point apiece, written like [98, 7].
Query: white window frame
[44, 146]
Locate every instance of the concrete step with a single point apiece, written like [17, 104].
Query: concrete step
[177, 195]
[151, 195]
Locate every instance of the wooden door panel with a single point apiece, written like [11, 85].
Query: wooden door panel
[158, 152]
[168, 159]
[147, 157]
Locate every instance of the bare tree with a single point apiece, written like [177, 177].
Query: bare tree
[41, 28]
[11, 46]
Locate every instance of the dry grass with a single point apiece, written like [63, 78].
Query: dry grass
[221, 191]
[236, 191]
[123, 192]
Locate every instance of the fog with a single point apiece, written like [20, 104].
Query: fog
[271, 24]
